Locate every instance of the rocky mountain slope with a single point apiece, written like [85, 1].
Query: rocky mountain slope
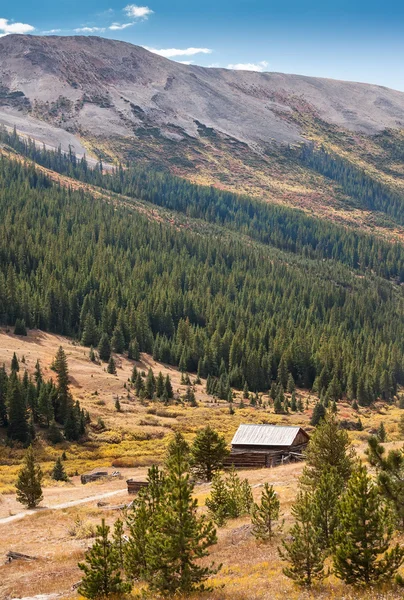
[102, 87]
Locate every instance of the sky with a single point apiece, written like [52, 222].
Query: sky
[356, 40]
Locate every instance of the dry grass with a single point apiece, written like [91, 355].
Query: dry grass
[134, 439]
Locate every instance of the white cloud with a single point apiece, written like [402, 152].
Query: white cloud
[186, 62]
[258, 67]
[6, 27]
[171, 52]
[89, 29]
[51, 31]
[138, 12]
[118, 26]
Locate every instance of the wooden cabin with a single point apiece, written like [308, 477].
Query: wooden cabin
[255, 446]
[93, 476]
[135, 485]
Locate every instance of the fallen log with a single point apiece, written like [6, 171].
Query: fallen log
[11, 555]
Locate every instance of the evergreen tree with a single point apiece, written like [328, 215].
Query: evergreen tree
[133, 351]
[160, 385]
[207, 453]
[58, 471]
[390, 475]
[139, 385]
[3, 397]
[118, 340]
[19, 328]
[318, 414]
[381, 433]
[325, 499]
[362, 539]
[179, 537]
[111, 369]
[134, 374]
[117, 405]
[64, 399]
[17, 411]
[150, 385]
[230, 497]
[291, 387]
[329, 447]
[104, 348]
[90, 335]
[102, 572]
[303, 554]
[265, 514]
[54, 434]
[169, 387]
[15, 366]
[29, 490]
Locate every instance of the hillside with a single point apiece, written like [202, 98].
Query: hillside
[59, 534]
[228, 128]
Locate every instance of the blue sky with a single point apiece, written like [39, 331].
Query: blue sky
[360, 40]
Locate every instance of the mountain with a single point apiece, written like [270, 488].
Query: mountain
[237, 130]
[109, 88]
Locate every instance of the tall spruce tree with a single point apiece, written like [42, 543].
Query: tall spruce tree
[329, 447]
[207, 453]
[102, 571]
[180, 537]
[104, 348]
[362, 539]
[64, 398]
[265, 514]
[390, 474]
[28, 486]
[58, 471]
[3, 397]
[303, 553]
[18, 428]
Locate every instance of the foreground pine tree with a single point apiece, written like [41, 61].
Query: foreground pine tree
[29, 490]
[179, 537]
[329, 448]
[390, 471]
[325, 505]
[102, 571]
[364, 533]
[303, 554]
[207, 453]
[265, 514]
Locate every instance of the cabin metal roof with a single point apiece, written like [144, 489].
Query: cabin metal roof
[265, 435]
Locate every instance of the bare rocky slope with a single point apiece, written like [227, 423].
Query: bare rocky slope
[104, 88]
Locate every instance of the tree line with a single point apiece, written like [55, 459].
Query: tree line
[74, 265]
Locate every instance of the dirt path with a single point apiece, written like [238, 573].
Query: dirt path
[22, 514]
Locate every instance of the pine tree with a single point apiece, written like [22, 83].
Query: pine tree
[17, 411]
[160, 385]
[207, 453]
[179, 537]
[54, 434]
[58, 471]
[318, 414]
[64, 399]
[133, 351]
[29, 490]
[150, 385]
[111, 369]
[291, 387]
[3, 397]
[104, 348]
[102, 572]
[381, 433]
[364, 533]
[390, 475]
[15, 366]
[139, 385]
[169, 387]
[90, 335]
[303, 554]
[133, 377]
[245, 391]
[329, 447]
[117, 405]
[293, 403]
[19, 328]
[118, 340]
[265, 514]
[325, 499]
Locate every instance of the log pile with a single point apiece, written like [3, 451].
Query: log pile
[134, 485]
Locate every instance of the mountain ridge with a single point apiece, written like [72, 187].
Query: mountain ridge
[101, 87]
